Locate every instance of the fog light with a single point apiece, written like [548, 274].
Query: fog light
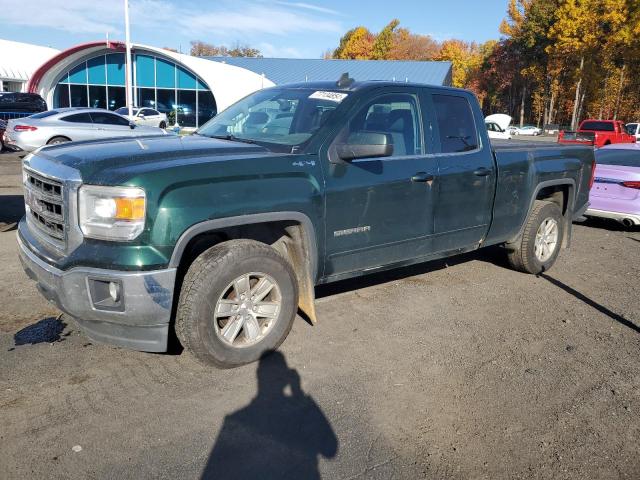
[114, 291]
[106, 294]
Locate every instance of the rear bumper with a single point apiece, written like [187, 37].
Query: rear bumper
[620, 217]
[142, 323]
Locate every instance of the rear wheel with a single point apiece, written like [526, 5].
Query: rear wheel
[238, 302]
[541, 240]
[57, 140]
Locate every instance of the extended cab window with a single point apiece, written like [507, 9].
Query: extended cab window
[455, 123]
[396, 115]
[277, 118]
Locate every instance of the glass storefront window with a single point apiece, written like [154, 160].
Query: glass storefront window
[166, 100]
[206, 107]
[97, 96]
[78, 94]
[117, 98]
[187, 108]
[61, 96]
[147, 97]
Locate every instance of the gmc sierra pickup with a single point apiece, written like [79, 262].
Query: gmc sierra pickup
[221, 236]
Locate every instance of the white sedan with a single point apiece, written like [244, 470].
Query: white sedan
[526, 130]
[145, 116]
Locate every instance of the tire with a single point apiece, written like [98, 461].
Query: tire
[162, 125]
[58, 140]
[211, 283]
[524, 255]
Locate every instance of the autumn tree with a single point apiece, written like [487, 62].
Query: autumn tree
[383, 42]
[410, 46]
[356, 44]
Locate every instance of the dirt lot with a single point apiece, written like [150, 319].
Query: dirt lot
[458, 369]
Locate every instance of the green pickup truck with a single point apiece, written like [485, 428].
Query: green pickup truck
[221, 236]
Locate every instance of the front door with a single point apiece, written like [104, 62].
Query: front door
[466, 174]
[111, 125]
[379, 211]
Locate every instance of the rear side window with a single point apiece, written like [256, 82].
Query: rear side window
[455, 123]
[105, 118]
[77, 118]
[618, 156]
[598, 126]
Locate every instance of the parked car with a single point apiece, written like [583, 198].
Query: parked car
[526, 130]
[291, 187]
[598, 133]
[15, 104]
[634, 129]
[145, 116]
[498, 126]
[3, 126]
[616, 190]
[71, 124]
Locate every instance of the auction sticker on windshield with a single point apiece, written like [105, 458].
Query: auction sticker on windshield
[331, 96]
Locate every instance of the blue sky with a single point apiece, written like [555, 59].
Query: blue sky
[279, 28]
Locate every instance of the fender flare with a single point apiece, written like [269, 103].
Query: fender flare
[570, 206]
[308, 275]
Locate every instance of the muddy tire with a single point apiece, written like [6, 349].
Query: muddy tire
[541, 240]
[237, 303]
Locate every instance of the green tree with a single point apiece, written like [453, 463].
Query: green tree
[384, 41]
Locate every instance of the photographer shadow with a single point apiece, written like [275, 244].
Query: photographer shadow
[279, 435]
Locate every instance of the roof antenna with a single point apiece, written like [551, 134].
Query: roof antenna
[345, 80]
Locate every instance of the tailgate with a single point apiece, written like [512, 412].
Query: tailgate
[588, 138]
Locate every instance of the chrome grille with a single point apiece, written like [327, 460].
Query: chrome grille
[44, 199]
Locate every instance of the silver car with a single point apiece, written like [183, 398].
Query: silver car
[71, 124]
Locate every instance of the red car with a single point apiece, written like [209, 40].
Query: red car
[598, 133]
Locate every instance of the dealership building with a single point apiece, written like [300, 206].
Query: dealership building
[195, 89]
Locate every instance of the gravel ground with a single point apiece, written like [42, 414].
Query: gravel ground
[458, 369]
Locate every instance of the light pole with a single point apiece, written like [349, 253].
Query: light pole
[128, 70]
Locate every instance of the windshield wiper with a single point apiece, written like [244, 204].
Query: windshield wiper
[232, 138]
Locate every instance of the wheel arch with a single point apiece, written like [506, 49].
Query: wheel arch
[561, 192]
[291, 233]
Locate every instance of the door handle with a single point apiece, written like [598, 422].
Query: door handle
[422, 177]
[482, 172]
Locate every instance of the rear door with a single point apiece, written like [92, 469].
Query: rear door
[76, 126]
[111, 124]
[466, 173]
[379, 211]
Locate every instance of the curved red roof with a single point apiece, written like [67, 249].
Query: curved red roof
[34, 81]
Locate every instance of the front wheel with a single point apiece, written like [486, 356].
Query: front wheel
[162, 125]
[237, 303]
[541, 240]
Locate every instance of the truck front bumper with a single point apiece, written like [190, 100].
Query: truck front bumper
[141, 322]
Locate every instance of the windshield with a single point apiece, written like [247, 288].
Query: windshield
[277, 118]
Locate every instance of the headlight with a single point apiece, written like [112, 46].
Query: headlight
[111, 213]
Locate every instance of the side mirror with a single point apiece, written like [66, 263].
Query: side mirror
[141, 116]
[132, 125]
[365, 145]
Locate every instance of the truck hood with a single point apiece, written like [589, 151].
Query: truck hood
[109, 162]
[501, 119]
